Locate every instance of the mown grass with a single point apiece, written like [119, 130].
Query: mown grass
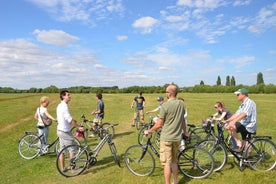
[17, 112]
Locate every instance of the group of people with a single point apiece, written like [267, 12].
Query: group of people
[171, 118]
[65, 120]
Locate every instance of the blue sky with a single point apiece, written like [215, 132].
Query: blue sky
[135, 42]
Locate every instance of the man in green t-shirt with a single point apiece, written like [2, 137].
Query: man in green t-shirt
[171, 119]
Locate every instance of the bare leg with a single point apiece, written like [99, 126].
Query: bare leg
[175, 173]
[61, 160]
[167, 173]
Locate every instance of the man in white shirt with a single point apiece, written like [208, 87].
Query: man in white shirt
[65, 121]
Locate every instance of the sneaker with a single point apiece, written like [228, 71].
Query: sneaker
[91, 135]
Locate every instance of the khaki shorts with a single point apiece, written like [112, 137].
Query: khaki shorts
[169, 152]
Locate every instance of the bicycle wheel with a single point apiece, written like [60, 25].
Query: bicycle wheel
[197, 135]
[218, 151]
[57, 145]
[156, 137]
[139, 161]
[261, 155]
[137, 124]
[195, 162]
[111, 130]
[114, 153]
[142, 138]
[29, 146]
[72, 166]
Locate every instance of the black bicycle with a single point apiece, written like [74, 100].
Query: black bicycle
[84, 156]
[193, 162]
[259, 154]
[31, 145]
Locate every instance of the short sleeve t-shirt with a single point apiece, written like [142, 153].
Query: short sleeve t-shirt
[172, 112]
[139, 102]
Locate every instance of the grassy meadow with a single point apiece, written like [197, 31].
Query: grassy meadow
[16, 117]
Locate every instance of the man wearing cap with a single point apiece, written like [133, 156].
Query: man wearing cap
[160, 99]
[245, 119]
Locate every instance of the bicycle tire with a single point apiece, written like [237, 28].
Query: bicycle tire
[111, 130]
[114, 153]
[197, 135]
[139, 161]
[29, 146]
[142, 138]
[218, 151]
[156, 137]
[57, 145]
[261, 155]
[75, 166]
[137, 125]
[195, 162]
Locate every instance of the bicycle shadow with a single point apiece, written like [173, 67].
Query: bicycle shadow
[102, 164]
[122, 134]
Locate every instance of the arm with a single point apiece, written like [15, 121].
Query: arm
[36, 116]
[154, 110]
[49, 115]
[156, 126]
[74, 124]
[221, 117]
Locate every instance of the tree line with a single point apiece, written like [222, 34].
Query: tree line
[229, 87]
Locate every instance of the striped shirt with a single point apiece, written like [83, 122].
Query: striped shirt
[250, 121]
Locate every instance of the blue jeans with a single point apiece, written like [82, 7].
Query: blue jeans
[45, 132]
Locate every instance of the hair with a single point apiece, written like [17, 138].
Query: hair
[140, 93]
[44, 99]
[99, 95]
[180, 98]
[63, 93]
[220, 104]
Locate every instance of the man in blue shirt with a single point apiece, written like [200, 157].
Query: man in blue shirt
[140, 103]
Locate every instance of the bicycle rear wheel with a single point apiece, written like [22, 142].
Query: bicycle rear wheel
[114, 153]
[261, 155]
[156, 137]
[72, 166]
[197, 135]
[29, 146]
[139, 161]
[195, 162]
[218, 151]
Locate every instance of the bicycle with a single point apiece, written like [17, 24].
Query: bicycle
[193, 162]
[30, 145]
[259, 155]
[97, 128]
[142, 138]
[84, 155]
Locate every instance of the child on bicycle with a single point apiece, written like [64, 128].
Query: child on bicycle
[160, 99]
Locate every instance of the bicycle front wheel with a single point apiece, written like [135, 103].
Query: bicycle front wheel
[139, 161]
[29, 146]
[195, 162]
[72, 160]
[142, 138]
[261, 155]
[114, 153]
[218, 151]
[111, 130]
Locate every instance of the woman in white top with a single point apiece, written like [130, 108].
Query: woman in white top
[43, 112]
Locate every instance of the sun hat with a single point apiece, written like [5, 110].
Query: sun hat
[241, 91]
[160, 98]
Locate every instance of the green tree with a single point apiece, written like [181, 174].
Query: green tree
[233, 81]
[227, 83]
[260, 79]
[218, 81]
[201, 83]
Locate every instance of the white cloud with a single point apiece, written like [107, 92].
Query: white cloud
[208, 4]
[122, 37]
[145, 23]
[241, 2]
[265, 20]
[54, 37]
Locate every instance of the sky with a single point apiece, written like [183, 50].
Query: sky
[124, 43]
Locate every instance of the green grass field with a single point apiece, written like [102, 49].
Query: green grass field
[16, 117]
